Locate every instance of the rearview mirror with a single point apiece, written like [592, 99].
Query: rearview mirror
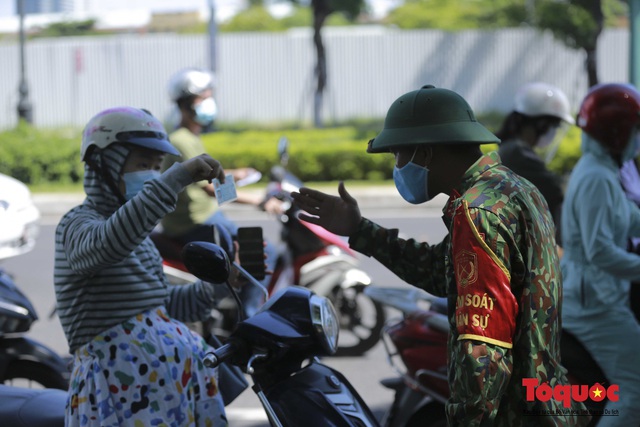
[206, 261]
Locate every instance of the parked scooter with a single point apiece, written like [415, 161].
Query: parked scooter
[278, 347]
[416, 346]
[310, 257]
[23, 360]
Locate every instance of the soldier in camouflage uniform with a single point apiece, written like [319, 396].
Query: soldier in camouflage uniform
[498, 265]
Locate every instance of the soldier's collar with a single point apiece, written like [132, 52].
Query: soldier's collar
[470, 177]
[483, 164]
[450, 207]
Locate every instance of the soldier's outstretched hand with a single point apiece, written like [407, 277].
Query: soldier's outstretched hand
[339, 215]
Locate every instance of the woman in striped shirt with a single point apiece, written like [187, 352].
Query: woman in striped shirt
[135, 362]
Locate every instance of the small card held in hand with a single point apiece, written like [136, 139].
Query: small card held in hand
[226, 192]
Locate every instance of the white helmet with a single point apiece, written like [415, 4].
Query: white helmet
[125, 125]
[543, 99]
[189, 82]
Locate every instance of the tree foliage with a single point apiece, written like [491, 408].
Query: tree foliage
[257, 18]
[68, 28]
[578, 24]
[571, 23]
[452, 15]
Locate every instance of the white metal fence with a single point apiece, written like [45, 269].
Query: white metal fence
[268, 77]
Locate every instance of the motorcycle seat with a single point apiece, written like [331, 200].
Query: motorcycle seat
[24, 407]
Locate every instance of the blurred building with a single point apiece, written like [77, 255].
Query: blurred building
[115, 14]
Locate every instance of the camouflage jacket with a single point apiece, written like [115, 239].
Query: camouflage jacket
[499, 270]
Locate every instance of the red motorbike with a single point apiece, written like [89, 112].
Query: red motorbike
[311, 257]
[416, 346]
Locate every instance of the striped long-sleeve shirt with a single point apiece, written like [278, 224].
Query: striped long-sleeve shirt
[107, 269]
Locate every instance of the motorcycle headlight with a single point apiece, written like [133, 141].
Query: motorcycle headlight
[325, 322]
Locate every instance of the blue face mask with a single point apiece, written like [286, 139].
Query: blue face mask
[206, 112]
[411, 182]
[134, 181]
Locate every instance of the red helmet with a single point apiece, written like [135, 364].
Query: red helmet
[609, 113]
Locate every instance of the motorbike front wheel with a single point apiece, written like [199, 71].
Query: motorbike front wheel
[28, 374]
[361, 320]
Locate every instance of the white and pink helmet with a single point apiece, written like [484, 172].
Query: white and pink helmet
[126, 125]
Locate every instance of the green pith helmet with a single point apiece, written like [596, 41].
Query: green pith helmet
[430, 115]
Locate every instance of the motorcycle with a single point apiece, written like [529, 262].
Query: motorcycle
[310, 257]
[278, 347]
[22, 359]
[416, 346]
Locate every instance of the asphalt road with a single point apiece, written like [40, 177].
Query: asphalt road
[33, 272]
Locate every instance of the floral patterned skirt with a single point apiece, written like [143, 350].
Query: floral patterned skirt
[147, 371]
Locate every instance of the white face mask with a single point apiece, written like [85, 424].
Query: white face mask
[206, 111]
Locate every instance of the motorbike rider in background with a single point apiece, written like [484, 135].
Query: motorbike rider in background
[502, 280]
[192, 92]
[597, 220]
[538, 111]
[134, 361]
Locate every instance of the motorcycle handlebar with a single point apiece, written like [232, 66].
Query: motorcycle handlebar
[216, 357]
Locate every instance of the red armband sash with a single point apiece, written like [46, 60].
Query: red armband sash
[486, 309]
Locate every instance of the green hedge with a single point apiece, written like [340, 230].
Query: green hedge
[314, 155]
[36, 156]
[39, 157]
[52, 156]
